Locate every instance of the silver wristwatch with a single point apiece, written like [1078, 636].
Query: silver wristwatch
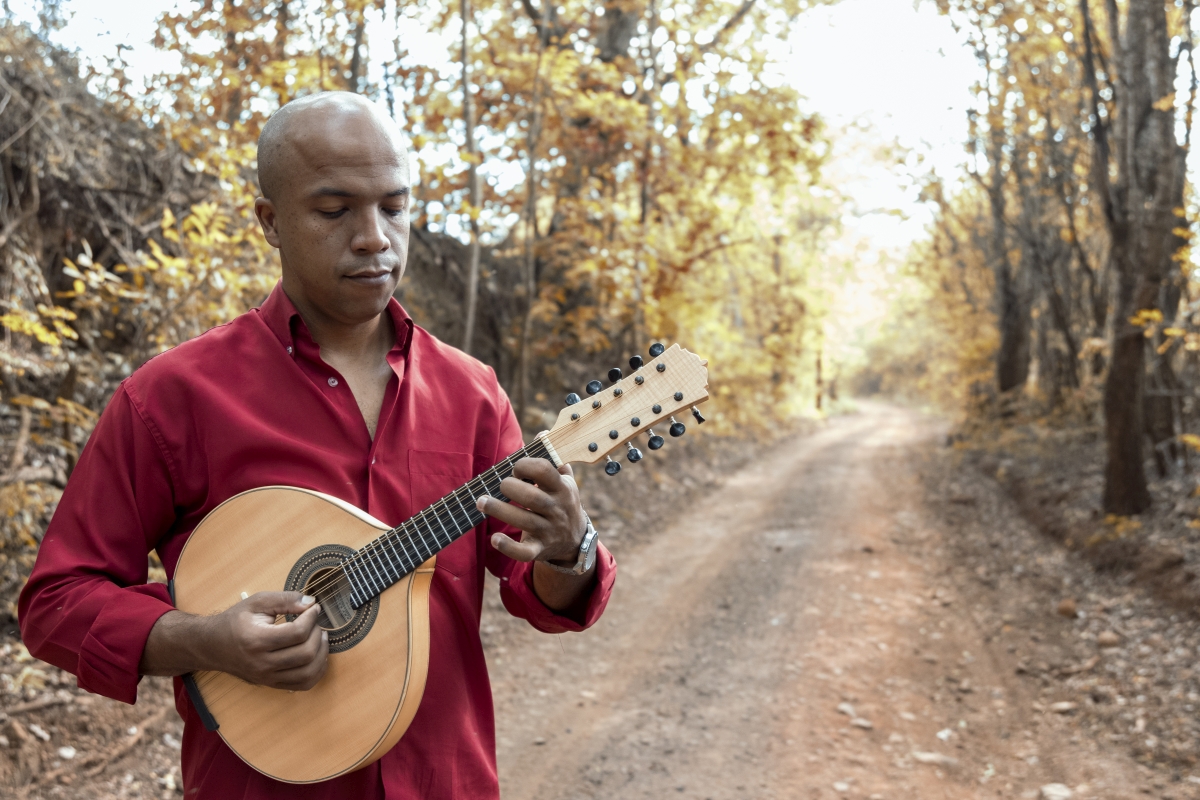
[587, 553]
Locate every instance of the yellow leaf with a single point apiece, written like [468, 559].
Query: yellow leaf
[1165, 103]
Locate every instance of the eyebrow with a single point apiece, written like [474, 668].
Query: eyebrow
[329, 191]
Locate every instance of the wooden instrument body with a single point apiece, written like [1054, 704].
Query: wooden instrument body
[371, 691]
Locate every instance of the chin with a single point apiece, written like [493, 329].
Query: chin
[365, 302]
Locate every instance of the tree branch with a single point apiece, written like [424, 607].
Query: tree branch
[729, 25]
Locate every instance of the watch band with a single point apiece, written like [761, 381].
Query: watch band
[587, 553]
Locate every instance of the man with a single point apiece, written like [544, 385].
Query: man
[327, 386]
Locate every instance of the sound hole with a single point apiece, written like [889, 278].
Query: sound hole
[319, 573]
[332, 591]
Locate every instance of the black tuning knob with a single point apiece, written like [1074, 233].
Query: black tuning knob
[594, 386]
[612, 467]
[634, 455]
[614, 375]
[677, 428]
[635, 363]
[699, 417]
[656, 441]
[572, 399]
[656, 350]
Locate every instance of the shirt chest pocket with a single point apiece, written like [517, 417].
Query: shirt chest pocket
[433, 474]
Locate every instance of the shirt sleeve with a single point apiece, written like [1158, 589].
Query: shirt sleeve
[516, 577]
[87, 607]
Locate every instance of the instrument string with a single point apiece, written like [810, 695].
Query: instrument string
[399, 551]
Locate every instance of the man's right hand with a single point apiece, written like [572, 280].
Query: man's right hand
[245, 641]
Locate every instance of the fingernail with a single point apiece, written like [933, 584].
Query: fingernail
[307, 600]
[480, 502]
[324, 636]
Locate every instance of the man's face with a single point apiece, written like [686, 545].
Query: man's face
[340, 218]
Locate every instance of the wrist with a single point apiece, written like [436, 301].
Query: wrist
[584, 557]
[179, 643]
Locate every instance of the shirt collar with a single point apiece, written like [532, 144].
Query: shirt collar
[281, 316]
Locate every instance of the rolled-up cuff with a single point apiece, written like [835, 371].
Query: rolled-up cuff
[518, 595]
[112, 650]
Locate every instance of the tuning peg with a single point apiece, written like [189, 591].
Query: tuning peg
[656, 441]
[677, 428]
[572, 399]
[635, 363]
[634, 455]
[612, 467]
[594, 386]
[699, 417]
[614, 375]
[656, 350]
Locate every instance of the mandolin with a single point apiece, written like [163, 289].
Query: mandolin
[372, 581]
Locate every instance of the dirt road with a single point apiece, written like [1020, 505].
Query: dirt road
[798, 633]
[859, 613]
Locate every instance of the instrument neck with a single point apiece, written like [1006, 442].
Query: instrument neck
[401, 550]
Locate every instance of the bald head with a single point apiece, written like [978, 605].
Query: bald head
[305, 129]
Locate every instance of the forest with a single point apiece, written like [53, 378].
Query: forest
[597, 175]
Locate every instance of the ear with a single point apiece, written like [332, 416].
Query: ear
[264, 210]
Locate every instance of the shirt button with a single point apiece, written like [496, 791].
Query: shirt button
[289, 349]
[333, 381]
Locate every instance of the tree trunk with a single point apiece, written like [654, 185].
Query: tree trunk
[356, 60]
[1012, 360]
[531, 233]
[282, 29]
[472, 185]
[820, 382]
[1140, 219]
[1125, 490]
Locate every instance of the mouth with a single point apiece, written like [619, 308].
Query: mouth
[370, 277]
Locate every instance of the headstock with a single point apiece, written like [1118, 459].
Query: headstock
[588, 430]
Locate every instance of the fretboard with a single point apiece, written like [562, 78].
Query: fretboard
[404, 548]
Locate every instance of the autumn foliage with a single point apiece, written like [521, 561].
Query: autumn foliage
[645, 175]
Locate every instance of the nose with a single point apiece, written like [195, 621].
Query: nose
[370, 236]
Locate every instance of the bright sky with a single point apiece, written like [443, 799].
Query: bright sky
[899, 71]
[904, 74]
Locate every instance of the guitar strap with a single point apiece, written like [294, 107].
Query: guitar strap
[189, 683]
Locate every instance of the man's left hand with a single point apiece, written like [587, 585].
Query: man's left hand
[547, 510]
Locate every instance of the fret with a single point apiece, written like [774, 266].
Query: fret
[482, 484]
[472, 512]
[461, 507]
[419, 558]
[391, 537]
[364, 590]
[422, 517]
[428, 549]
[371, 578]
[403, 549]
[356, 594]
[437, 540]
[493, 491]
[449, 538]
[381, 568]
[382, 548]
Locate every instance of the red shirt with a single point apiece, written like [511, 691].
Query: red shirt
[252, 404]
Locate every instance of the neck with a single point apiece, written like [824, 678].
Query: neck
[352, 340]
[405, 547]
